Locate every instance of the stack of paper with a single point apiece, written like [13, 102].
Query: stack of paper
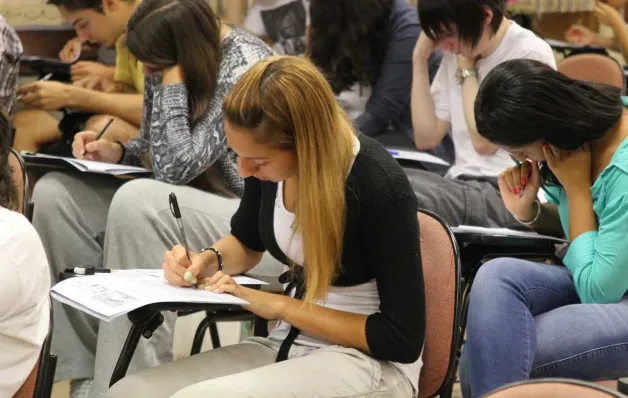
[503, 232]
[108, 296]
[82, 165]
[417, 156]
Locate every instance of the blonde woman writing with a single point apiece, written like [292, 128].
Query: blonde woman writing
[337, 208]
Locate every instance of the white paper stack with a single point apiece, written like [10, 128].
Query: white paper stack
[504, 232]
[108, 296]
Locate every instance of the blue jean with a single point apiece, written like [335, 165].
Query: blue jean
[525, 321]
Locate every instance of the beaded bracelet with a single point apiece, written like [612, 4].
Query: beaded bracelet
[218, 255]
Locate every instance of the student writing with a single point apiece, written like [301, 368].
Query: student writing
[338, 209]
[192, 61]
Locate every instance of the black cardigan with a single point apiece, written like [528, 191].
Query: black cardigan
[381, 241]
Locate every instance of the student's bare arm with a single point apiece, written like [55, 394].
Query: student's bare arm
[470, 88]
[235, 11]
[429, 130]
[125, 106]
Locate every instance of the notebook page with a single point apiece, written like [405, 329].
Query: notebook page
[417, 156]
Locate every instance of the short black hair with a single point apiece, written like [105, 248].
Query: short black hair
[440, 18]
[523, 101]
[77, 5]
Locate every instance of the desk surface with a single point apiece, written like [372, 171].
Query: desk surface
[535, 7]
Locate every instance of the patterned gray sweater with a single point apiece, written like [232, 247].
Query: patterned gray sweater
[178, 153]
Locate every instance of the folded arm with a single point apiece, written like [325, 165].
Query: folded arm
[124, 106]
[598, 256]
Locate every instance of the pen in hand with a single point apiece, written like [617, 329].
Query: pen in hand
[176, 212]
[547, 193]
[99, 136]
[43, 79]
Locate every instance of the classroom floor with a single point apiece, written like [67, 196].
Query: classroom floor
[184, 334]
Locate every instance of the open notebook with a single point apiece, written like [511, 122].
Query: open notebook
[86, 166]
[504, 232]
[108, 296]
[416, 156]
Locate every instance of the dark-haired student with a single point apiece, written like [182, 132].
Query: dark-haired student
[530, 320]
[365, 49]
[25, 283]
[119, 97]
[192, 61]
[475, 37]
[336, 209]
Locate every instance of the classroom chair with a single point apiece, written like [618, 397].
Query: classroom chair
[595, 68]
[20, 179]
[443, 288]
[555, 388]
[39, 382]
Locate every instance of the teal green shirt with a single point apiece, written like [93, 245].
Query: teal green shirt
[598, 260]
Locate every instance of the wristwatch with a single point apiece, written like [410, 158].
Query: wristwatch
[462, 74]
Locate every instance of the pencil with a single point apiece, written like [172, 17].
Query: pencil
[43, 79]
[99, 136]
[542, 186]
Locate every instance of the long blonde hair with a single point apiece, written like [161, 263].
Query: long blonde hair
[288, 103]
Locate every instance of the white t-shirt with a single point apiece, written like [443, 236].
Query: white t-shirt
[24, 300]
[284, 21]
[447, 94]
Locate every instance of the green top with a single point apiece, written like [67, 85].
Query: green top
[598, 260]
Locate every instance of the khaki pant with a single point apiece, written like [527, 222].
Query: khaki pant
[248, 369]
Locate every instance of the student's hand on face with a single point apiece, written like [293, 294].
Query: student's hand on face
[177, 264]
[571, 168]
[100, 151]
[173, 75]
[606, 14]
[84, 69]
[46, 95]
[512, 181]
[71, 51]
[423, 49]
[266, 305]
[581, 35]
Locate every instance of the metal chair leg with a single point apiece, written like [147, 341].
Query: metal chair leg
[198, 336]
[213, 333]
[143, 323]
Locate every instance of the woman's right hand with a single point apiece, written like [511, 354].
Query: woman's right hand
[179, 270]
[71, 51]
[512, 181]
[86, 147]
[423, 49]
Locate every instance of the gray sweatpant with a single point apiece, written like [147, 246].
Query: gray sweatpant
[72, 211]
[461, 201]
